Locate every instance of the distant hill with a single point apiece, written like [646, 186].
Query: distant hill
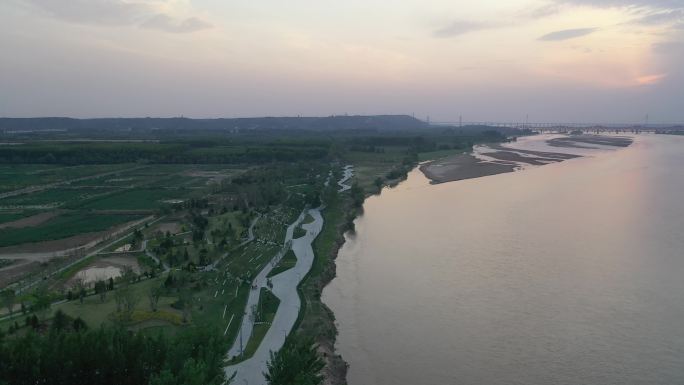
[377, 122]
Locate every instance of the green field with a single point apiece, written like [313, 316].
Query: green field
[137, 199]
[55, 197]
[13, 215]
[286, 263]
[368, 166]
[14, 177]
[96, 313]
[298, 232]
[314, 318]
[62, 226]
[266, 310]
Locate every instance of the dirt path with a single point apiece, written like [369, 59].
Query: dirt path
[32, 189]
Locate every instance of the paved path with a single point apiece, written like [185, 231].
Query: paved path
[251, 371]
[259, 282]
[348, 173]
[92, 253]
[150, 254]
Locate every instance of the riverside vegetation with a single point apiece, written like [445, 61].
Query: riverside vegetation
[132, 249]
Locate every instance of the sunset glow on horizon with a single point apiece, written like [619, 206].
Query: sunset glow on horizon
[210, 58]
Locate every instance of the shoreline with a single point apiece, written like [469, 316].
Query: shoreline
[452, 168]
[493, 159]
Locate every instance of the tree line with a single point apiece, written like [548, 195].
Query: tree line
[111, 356]
[165, 153]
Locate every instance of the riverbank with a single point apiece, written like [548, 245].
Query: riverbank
[498, 159]
[318, 319]
[550, 301]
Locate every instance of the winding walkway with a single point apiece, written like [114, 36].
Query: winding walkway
[284, 287]
[348, 171]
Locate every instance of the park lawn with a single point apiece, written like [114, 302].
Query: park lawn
[246, 262]
[95, 312]
[211, 302]
[268, 306]
[307, 219]
[286, 263]
[63, 226]
[298, 232]
[221, 223]
[271, 228]
[314, 312]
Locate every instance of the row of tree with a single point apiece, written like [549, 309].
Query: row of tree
[177, 153]
[71, 355]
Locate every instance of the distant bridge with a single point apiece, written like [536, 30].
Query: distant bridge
[568, 127]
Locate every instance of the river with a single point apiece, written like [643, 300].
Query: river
[568, 273]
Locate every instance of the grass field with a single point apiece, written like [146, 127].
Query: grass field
[13, 215]
[298, 232]
[369, 166]
[272, 227]
[15, 177]
[312, 317]
[268, 306]
[137, 199]
[55, 197]
[288, 262]
[224, 298]
[96, 312]
[62, 226]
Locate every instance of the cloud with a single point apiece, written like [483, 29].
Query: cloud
[116, 13]
[108, 12]
[669, 47]
[567, 34]
[653, 4]
[460, 27]
[165, 23]
[660, 18]
[648, 80]
[541, 11]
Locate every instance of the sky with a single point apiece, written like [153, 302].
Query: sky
[485, 60]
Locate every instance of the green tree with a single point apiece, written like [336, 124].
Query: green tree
[378, 182]
[153, 295]
[78, 324]
[297, 363]
[8, 300]
[42, 301]
[59, 320]
[101, 289]
[357, 194]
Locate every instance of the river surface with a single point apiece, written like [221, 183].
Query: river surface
[568, 273]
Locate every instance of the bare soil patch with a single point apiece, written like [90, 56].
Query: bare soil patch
[86, 240]
[462, 166]
[33, 220]
[515, 157]
[585, 141]
[171, 227]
